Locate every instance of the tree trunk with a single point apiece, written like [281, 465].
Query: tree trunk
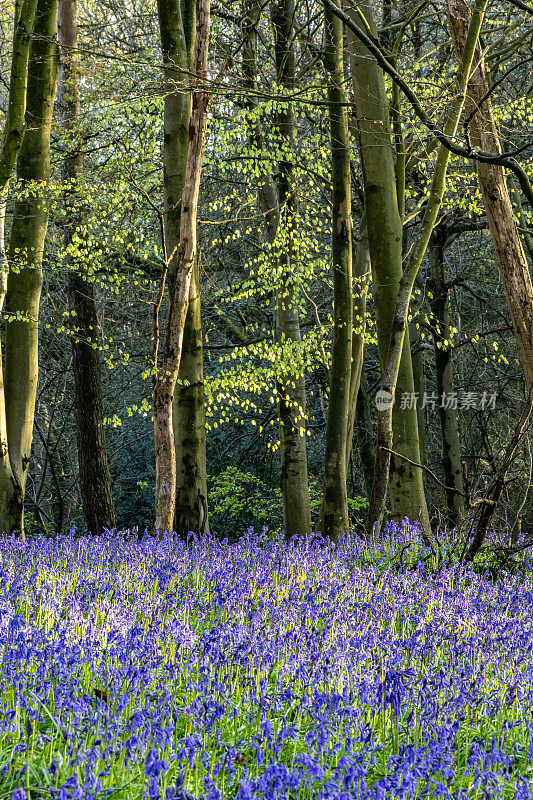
[11, 499]
[28, 232]
[95, 478]
[398, 329]
[279, 204]
[14, 125]
[449, 424]
[335, 517]
[189, 424]
[361, 275]
[177, 30]
[365, 439]
[182, 263]
[291, 385]
[385, 242]
[419, 384]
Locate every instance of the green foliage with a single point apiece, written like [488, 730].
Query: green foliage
[238, 500]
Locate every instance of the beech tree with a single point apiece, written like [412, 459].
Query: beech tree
[95, 478]
[384, 223]
[180, 264]
[24, 256]
[177, 21]
[335, 507]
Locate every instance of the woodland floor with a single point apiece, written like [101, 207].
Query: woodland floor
[136, 668]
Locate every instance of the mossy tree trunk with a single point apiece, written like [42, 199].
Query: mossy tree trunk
[384, 225]
[12, 136]
[361, 276]
[14, 121]
[10, 494]
[181, 263]
[399, 325]
[95, 478]
[28, 233]
[282, 234]
[177, 32]
[189, 424]
[335, 516]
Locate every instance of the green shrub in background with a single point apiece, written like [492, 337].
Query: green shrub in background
[240, 500]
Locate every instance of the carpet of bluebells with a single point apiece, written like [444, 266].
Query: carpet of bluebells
[145, 669]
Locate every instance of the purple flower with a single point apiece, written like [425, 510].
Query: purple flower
[177, 792]
[154, 764]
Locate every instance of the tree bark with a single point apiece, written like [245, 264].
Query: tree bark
[291, 384]
[189, 424]
[165, 383]
[28, 233]
[361, 275]
[365, 439]
[10, 495]
[95, 478]
[449, 423]
[385, 242]
[335, 516]
[14, 125]
[419, 384]
[177, 33]
[398, 329]
[11, 500]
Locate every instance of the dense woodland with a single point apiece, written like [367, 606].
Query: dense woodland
[231, 233]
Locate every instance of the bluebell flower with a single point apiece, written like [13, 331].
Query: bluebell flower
[177, 792]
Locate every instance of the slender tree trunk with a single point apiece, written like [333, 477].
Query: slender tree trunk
[189, 424]
[335, 517]
[385, 241]
[365, 439]
[177, 30]
[280, 206]
[361, 275]
[184, 260]
[95, 478]
[11, 500]
[398, 329]
[449, 423]
[419, 384]
[25, 255]
[14, 125]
